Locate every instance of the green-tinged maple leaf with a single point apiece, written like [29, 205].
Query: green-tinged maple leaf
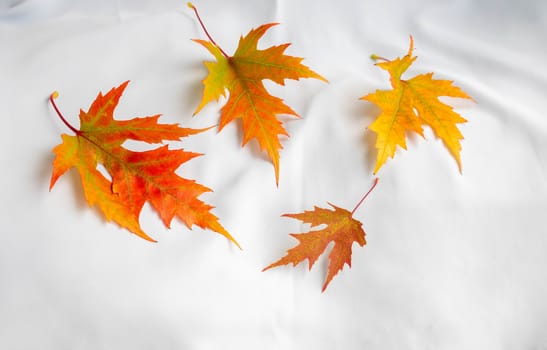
[136, 177]
[341, 228]
[242, 75]
[410, 105]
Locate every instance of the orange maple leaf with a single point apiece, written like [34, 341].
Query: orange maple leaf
[341, 228]
[411, 104]
[136, 177]
[242, 75]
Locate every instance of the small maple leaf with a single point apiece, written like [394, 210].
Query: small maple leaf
[137, 177]
[242, 75]
[411, 104]
[341, 228]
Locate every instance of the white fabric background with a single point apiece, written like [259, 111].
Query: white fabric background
[452, 261]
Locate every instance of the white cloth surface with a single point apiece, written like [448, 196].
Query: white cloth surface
[452, 261]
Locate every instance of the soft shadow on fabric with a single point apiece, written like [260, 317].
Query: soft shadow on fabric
[370, 112]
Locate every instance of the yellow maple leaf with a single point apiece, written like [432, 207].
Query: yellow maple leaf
[410, 105]
[242, 75]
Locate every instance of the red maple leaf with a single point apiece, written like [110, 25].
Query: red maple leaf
[341, 228]
[136, 177]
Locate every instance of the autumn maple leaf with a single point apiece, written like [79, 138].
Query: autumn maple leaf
[341, 228]
[410, 105]
[136, 177]
[242, 75]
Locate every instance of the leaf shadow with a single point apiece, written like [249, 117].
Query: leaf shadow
[43, 176]
[369, 112]
[43, 170]
[77, 191]
[193, 86]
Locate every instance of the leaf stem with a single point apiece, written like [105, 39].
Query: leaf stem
[365, 196]
[52, 98]
[190, 5]
[376, 58]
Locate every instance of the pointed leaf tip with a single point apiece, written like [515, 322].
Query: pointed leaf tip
[242, 75]
[341, 228]
[412, 104]
[411, 47]
[135, 177]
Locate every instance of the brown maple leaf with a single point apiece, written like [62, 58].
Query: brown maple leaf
[136, 177]
[410, 105]
[341, 228]
[242, 75]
